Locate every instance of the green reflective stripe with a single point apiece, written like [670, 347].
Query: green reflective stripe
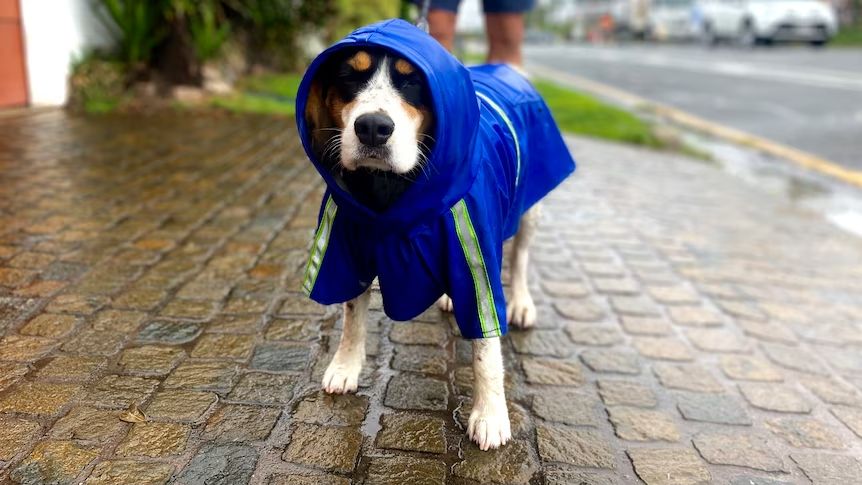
[318, 248]
[488, 319]
[512, 131]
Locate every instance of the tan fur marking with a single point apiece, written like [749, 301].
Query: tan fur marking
[361, 61]
[422, 117]
[338, 109]
[404, 67]
[317, 115]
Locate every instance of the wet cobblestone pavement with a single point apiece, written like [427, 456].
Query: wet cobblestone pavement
[691, 329]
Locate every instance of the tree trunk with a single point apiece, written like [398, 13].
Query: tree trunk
[175, 60]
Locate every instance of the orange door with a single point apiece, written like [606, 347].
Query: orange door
[13, 78]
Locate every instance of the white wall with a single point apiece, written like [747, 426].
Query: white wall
[55, 33]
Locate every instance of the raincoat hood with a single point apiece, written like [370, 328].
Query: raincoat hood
[449, 172]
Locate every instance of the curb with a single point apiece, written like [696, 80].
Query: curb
[803, 159]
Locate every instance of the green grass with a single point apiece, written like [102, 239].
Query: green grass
[582, 114]
[273, 94]
[848, 36]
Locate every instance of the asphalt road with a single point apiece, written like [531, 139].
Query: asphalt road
[810, 99]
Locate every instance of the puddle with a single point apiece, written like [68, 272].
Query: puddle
[839, 203]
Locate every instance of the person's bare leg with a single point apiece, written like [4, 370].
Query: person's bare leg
[441, 23]
[505, 37]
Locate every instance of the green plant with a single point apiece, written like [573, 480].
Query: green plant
[272, 27]
[207, 25]
[350, 14]
[139, 25]
[848, 36]
[96, 85]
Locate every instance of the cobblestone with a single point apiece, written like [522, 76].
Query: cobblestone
[331, 448]
[336, 410]
[602, 360]
[181, 406]
[594, 335]
[114, 472]
[87, 424]
[626, 393]
[575, 408]
[691, 328]
[226, 464]
[749, 451]
[38, 398]
[712, 409]
[234, 423]
[687, 377]
[14, 434]
[827, 468]
[150, 360]
[748, 368]
[71, 368]
[669, 466]
[553, 372]
[805, 433]
[54, 462]
[642, 425]
[774, 397]
[412, 432]
[154, 440]
[396, 470]
[577, 447]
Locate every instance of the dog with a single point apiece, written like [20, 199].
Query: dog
[422, 195]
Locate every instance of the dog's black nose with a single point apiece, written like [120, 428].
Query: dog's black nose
[373, 129]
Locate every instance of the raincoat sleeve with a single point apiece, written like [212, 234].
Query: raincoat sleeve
[475, 255]
[338, 268]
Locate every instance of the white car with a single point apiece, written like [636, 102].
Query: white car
[764, 21]
[673, 20]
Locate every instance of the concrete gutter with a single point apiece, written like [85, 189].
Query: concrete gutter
[696, 123]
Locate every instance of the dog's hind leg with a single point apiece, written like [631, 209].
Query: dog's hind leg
[488, 425]
[445, 303]
[342, 375]
[520, 309]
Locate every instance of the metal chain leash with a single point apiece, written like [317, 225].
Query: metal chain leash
[422, 22]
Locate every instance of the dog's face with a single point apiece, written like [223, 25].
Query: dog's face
[370, 118]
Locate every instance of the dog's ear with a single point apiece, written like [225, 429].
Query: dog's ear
[317, 116]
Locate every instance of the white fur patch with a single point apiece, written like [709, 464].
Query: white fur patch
[342, 374]
[380, 96]
[488, 425]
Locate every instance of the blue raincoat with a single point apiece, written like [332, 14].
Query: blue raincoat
[497, 152]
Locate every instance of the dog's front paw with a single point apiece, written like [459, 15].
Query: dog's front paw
[489, 426]
[445, 303]
[521, 311]
[342, 375]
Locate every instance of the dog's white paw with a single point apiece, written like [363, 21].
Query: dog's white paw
[342, 375]
[488, 425]
[521, 311]
[445, 304]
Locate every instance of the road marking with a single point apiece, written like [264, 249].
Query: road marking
[814, 77]
[799, 157]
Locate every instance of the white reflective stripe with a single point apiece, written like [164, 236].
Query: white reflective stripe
[488, 320]
[318, 248]
[508, 122]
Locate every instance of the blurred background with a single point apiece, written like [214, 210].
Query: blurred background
[741, 81]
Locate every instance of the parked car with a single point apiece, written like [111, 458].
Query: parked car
[765, 21]
[673, 20]
[631, 18]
